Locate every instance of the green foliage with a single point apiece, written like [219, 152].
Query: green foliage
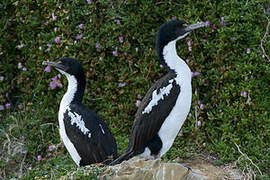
[233, 84]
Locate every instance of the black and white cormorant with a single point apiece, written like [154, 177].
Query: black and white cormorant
[166, 105]
[85, 135]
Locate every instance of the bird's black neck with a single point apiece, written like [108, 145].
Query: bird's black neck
[75, 91]
[80, 88]
[159, 48]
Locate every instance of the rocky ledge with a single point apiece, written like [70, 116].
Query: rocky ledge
[138, 169]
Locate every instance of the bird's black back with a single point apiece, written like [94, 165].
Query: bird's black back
[101, 146]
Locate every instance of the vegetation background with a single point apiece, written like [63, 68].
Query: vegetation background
[114, 40]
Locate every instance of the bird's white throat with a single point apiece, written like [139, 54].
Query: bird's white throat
[174, 62]
[72, 89]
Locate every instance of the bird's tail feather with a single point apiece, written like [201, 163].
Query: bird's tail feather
[123, 157]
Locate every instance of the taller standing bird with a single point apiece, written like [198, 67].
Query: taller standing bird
[166, 105]
[85, 135]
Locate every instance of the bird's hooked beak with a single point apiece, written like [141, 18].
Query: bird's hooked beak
[54, 64]
[195, 26]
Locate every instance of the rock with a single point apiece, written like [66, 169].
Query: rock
[137, 168]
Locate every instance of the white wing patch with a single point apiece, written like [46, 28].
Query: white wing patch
[101, 129]
[77, 119]
[156, 97]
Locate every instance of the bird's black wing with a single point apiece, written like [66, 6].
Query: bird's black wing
[90, 135]
[147, 125]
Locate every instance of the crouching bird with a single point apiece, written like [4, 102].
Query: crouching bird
[85, 135]
[166, 105]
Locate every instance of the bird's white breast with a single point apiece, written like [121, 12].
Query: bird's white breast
[64, 106]
[178, 114]
[176, 118]
[68, 144]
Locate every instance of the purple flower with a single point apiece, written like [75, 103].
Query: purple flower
[180, 132]
[222, 21]
[115, 52]
[195, 74]
[189, 46]
[53, 84]
[89, 1]
[200, 104]
[204, 144]
[187, 60]
[19, 65]
[161, 66]
[39, 157]
[138, 102]
[174, 18]
[97, 45]
[50, 148]
[139, 96]
[47, 69]
[80, 26]
[122, 84]
[8, 105]
[66, 47]
[121, 39]
[117, 21]
[67, 18]
[20, 106]
[125, 54]
[24, 69]
[47, 22]
[57, 40]
[49, 45]
[1, 5]
[90, 20]
[214, 27]
[53, 16]
[244, 93]
[2, 107]
[233, 38]
[207, 23]
[2, 78]
[198, 123]
[79, 36]
[248, 50]
[100, 58]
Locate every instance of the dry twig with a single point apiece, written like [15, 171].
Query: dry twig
[265, 36]
[244, 155]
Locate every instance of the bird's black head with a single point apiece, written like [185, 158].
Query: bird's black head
[170, 31]
[174, 30]
[67, 65]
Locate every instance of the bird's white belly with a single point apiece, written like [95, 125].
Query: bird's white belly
[176, 118]
[68, 144]
[173, 122]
